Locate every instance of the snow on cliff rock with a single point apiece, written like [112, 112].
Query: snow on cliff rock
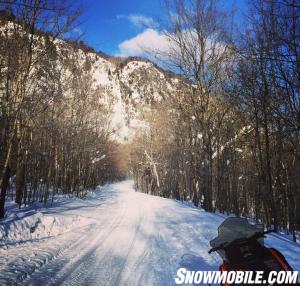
[128, 87]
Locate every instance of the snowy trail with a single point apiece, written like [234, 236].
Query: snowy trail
[129, 239]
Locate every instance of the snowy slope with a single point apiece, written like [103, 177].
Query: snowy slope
[128, 238]
[128, 85]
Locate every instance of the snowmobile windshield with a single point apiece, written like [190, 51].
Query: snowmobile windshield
[234, 228]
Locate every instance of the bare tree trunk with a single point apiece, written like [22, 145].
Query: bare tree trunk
[4, 186]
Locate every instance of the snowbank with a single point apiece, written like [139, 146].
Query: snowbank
[36, 226]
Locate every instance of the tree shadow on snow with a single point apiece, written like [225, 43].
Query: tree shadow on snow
[195, 263]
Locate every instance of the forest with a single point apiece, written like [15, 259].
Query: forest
[55, 130]
[227, 138]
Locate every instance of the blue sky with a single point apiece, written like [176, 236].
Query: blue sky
[116, 27]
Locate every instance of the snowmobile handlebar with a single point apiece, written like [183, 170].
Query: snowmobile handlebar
[256, 235]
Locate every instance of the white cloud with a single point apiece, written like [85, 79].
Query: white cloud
[138, 20]
[155, 45]
[148, 40]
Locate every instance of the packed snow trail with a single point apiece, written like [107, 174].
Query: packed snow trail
[128, 238]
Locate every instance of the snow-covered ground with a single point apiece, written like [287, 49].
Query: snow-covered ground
[116, 236]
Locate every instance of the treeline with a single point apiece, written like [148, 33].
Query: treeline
[55, 134]
[230, 141]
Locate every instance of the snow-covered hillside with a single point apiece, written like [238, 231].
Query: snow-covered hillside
[115, 236]
[128, 85]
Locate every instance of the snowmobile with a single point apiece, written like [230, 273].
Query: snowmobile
[241, 247]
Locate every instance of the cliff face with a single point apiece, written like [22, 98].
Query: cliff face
[127, 86]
